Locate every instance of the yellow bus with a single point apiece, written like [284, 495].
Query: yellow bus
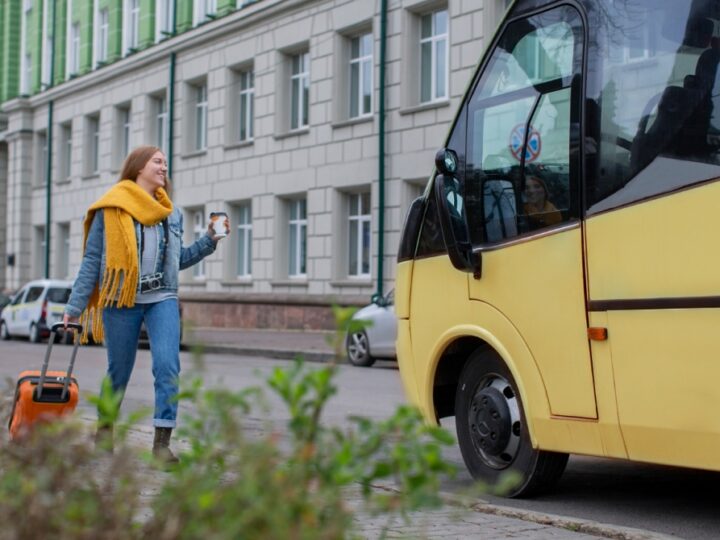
[558, 284]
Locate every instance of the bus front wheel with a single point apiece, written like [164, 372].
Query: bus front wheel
[493, 433]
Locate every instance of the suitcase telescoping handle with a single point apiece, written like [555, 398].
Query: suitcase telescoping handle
[53, 332]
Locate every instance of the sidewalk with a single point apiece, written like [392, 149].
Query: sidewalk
[312, 345]
[458, 520]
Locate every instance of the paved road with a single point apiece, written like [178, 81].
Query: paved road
[677, 502]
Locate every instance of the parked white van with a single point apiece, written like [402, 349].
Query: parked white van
[34, 309]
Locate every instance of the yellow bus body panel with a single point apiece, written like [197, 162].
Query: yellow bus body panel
[538, 284]
[665, 361]
[441, 313]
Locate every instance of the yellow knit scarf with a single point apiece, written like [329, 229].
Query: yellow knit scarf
[123, 203]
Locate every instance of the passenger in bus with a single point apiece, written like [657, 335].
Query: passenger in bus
[539, 210]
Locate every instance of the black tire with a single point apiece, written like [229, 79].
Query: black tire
[492, 430]
[34, 335]
[358, 349]
[4, 334]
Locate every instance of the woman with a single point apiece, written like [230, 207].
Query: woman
[538, 209]
[133, 253]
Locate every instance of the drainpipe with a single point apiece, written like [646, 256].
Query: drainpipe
[171, 96]
[381, 149]
[49, 142]
[171, 114]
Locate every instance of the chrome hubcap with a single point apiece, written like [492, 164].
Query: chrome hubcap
[495, 422]
[357, 346]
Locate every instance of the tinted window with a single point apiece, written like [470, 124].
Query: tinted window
[655, 98]
[431, 241]
[521, 172]
[18, 297]
[58, 295]
[33, 294]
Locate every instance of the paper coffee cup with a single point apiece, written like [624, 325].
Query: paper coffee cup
[217, 220]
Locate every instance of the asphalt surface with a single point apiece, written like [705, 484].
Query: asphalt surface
[233, 355]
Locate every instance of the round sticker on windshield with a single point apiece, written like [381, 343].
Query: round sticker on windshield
[534, 143]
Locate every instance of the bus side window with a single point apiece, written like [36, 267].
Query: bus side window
[656, 105]
[519, 124]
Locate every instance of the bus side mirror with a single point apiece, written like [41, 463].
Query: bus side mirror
[453, 224]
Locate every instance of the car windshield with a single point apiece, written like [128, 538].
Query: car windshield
[58, 295]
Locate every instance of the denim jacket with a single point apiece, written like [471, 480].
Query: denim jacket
[177, 257]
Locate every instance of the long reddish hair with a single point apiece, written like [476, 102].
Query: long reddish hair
[136, 161]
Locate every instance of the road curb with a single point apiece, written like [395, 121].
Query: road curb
[274, 353]
[578, 525]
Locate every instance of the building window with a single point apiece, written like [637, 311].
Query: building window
[204, 10]
[300, 90]
[63, 257]
[132, 25]
[243, 218]
[199, 229]
[73, 56]
[65, 151]
[92, 145]
[200, 116]
[359, 235]
[122, 134]
[101, 39]
[26, 83]
[164, 12]
[39, 252]
[161, 122]
[297, 239]
[361, 72]
[434, 56]
[41, 150]
[246, 104]
[47, 49]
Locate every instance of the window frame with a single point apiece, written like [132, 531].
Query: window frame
[160, 121]
[361, 61]
[47, 49]
[204, 10]
[72, 64]
[66, 149]
[164, 15]
[198, 230]
[246, 110]
[92, 138]
[301, 78]
[102, 23]
[297, 228]
[131, 26]
[434, 39]
[200, 108]
[361, 219]
[63, 254]
[463, 121]
[243, 243]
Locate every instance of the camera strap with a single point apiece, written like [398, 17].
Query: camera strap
[166, 236]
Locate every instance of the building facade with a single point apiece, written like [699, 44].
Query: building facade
[268, 110]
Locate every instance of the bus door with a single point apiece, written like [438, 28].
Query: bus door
[652, 197]
[521, 174]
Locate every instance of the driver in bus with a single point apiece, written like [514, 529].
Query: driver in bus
[539, 210]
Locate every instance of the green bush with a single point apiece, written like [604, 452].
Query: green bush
[232, 481]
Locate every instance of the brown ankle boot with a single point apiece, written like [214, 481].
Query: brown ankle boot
[161, 446]
[104, 438]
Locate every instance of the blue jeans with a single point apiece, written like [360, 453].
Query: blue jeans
[122, 330]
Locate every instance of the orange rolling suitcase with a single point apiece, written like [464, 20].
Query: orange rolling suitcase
[44, 395]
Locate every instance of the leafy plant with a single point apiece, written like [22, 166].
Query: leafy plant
[234, 480]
